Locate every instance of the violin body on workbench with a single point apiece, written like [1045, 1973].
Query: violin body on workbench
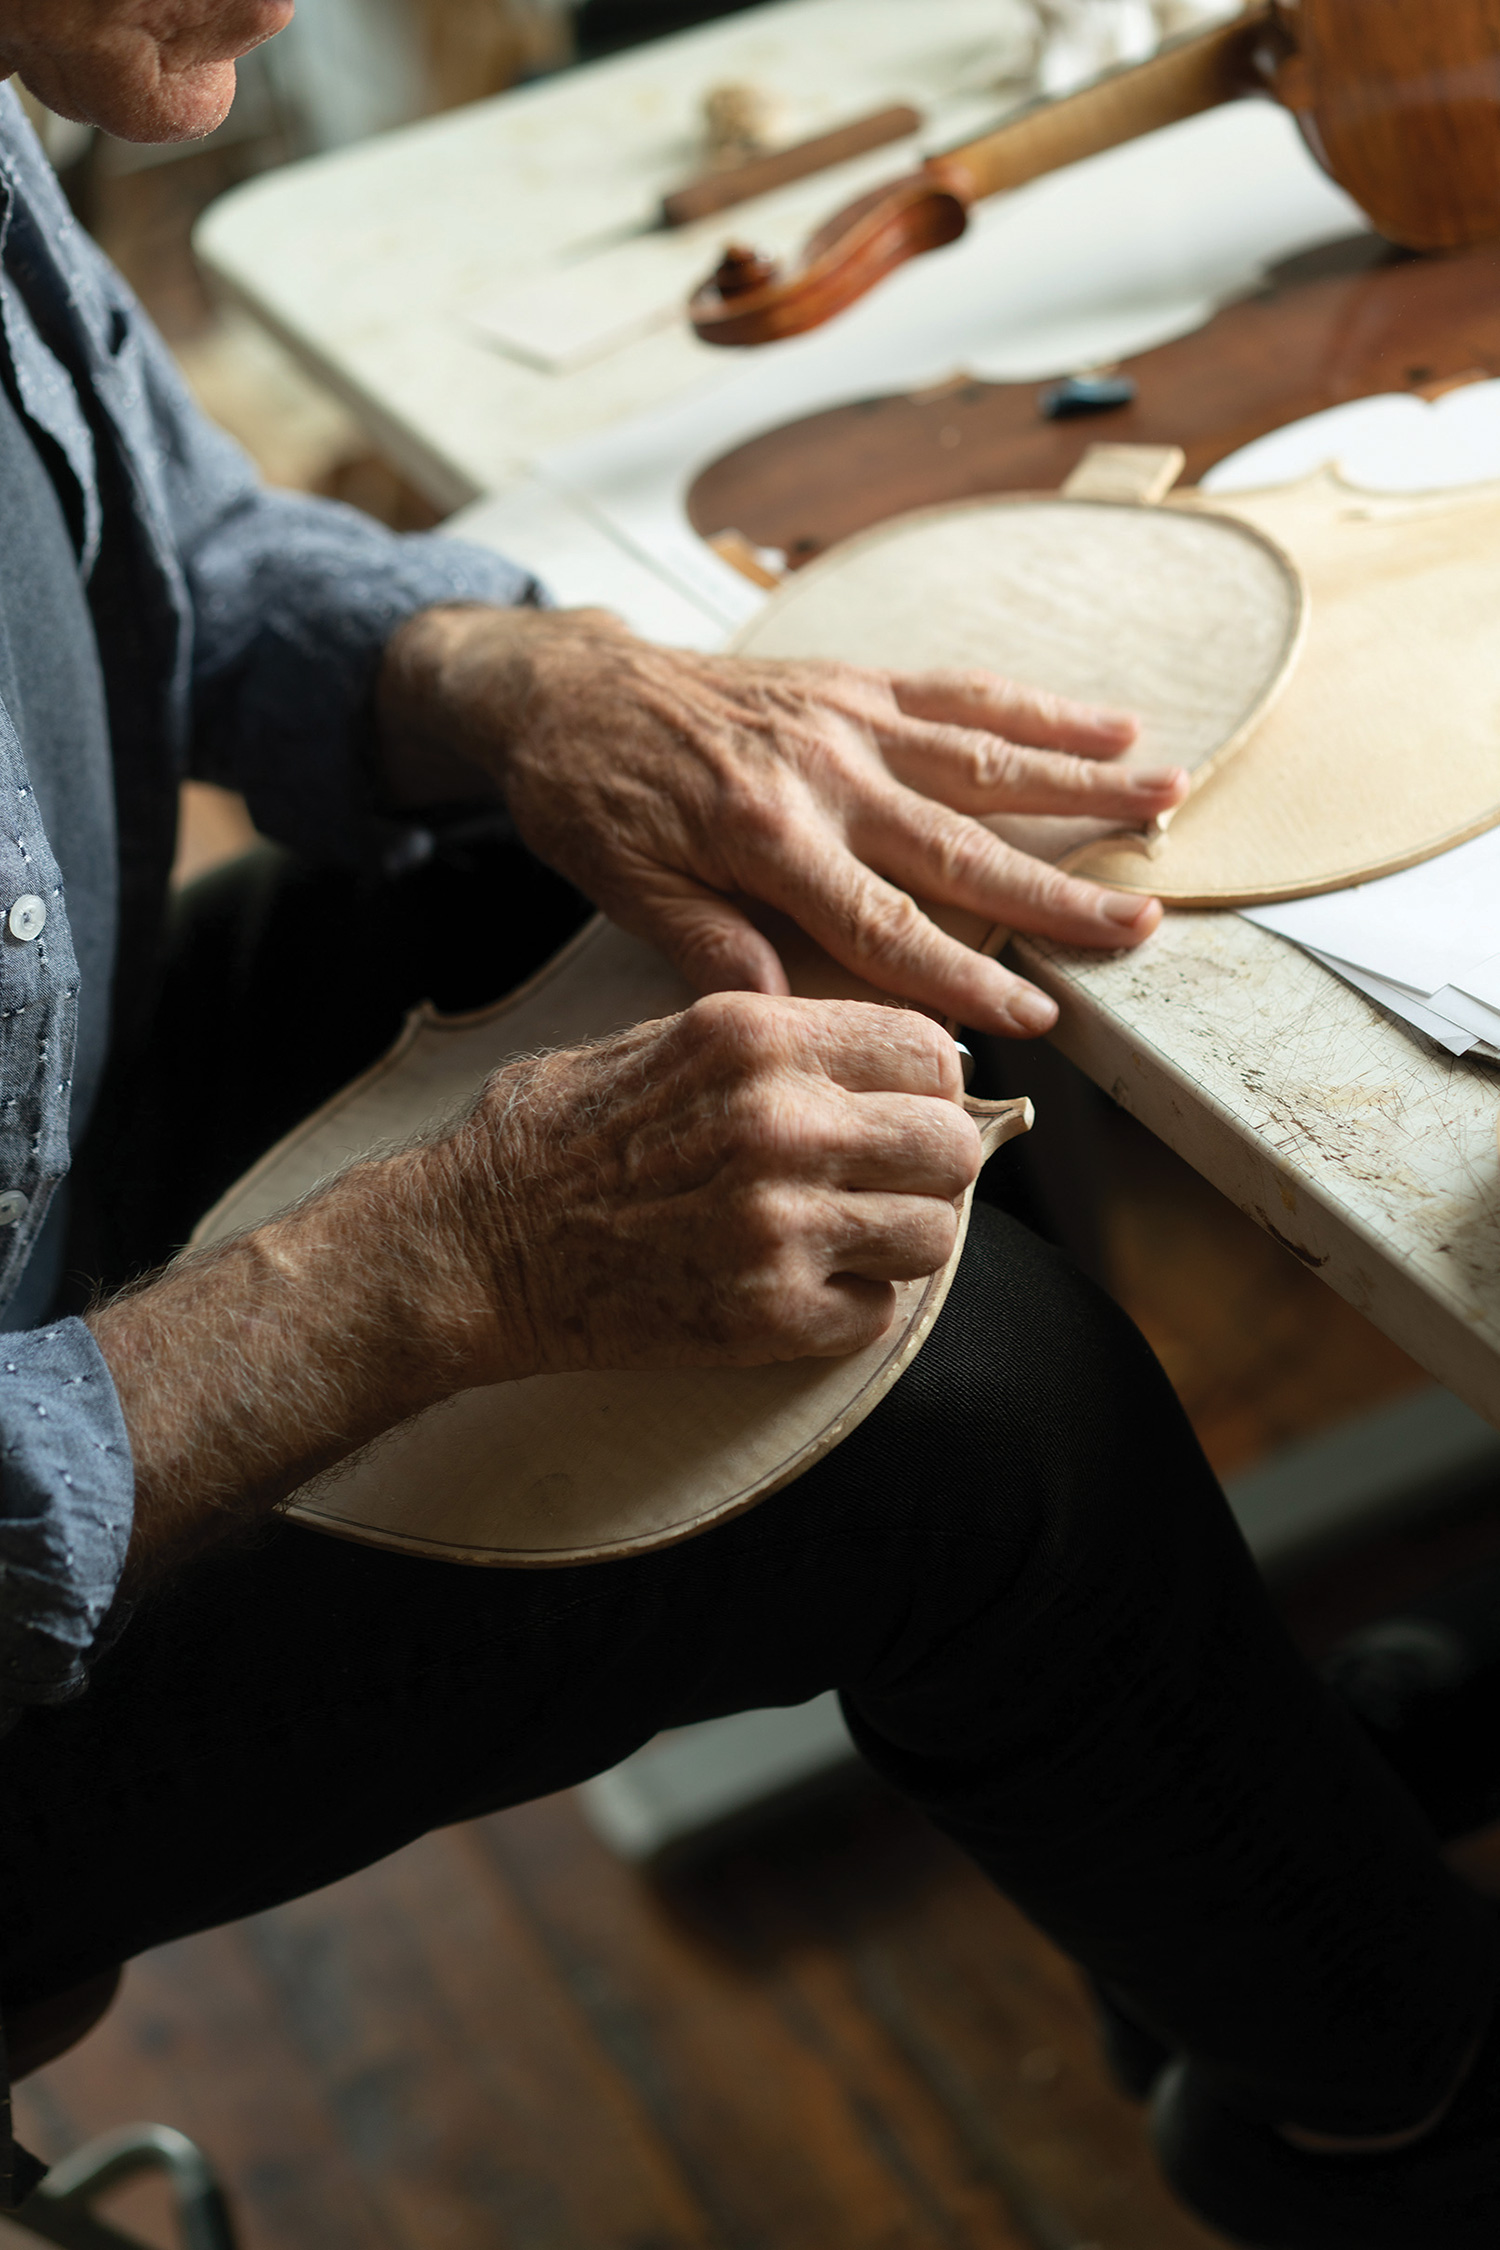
[1399, 100]
[1342, 322]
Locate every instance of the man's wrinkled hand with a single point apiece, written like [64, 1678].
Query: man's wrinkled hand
[673, 787]
[734, 1185]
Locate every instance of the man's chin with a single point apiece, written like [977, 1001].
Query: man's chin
[180, 108]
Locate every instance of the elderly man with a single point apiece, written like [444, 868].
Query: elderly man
[1018, 1571]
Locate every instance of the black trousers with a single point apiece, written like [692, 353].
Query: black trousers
[1019, 1572]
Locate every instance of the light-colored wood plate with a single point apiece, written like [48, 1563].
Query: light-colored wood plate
[1385, 748]
[561, 1469]
[1191, 621]
[1332, 682]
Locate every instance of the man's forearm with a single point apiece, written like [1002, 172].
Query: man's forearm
[245, 1370]
[456, 684]
[423, 760]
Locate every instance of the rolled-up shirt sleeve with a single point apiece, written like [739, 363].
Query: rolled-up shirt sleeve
[293, 599]
[294, 602]
[66, 1499]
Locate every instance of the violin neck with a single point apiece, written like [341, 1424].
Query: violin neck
[1189, 75]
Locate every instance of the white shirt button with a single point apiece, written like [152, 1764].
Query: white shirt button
[13, 1207]
[27, 918]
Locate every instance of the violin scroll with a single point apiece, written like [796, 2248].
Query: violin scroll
[926, 209]
[1399, 101]
[750, 300]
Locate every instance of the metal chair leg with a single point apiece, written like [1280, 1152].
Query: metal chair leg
[59, 2210]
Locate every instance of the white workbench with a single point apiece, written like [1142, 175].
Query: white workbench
[373, 262]
[1371, 1155]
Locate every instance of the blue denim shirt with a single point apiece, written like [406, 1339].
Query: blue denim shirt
[239, 633]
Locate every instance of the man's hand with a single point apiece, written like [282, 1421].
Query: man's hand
[671, 787]
[737, 1184]
[740, 1183]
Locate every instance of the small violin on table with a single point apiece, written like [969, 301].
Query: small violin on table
[1399, 101]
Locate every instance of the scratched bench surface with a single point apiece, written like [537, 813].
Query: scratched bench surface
[1368, 1152]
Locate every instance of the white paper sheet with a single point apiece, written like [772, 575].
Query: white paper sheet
[1482, 981]
[1401, 1003]
[1468, 1014]
[1433, 925]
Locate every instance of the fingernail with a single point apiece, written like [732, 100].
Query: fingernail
[1123, 906]
[1159, 778]
[1033, 1011]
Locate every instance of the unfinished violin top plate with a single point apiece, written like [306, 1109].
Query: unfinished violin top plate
[1191, 621]
[1385, 748]
[1324, 661]
[561, 1469]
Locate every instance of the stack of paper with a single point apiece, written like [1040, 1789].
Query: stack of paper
[1424, 943]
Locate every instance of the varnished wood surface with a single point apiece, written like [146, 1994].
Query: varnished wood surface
[748, 303]
[502, 2039]
[1186, 76]
[834, 2038]
[1400, 101]
[1313, 340]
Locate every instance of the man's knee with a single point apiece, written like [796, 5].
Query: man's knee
[1029, 1368]
[1034, 1444]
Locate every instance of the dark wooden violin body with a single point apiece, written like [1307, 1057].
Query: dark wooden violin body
[1399, 100]
[1344, 321]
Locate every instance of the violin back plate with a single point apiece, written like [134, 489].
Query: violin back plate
[563, 1469]
[1333, 685]
[1191, 622]
[1385, 748]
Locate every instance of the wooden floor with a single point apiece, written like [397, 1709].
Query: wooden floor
[834, 2036]
[502, 2037]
